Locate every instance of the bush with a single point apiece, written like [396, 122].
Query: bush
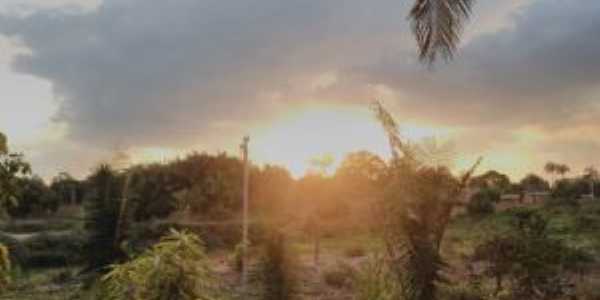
[480, 205]
[236, 260]
[276, 269]
[532, 259]
[340, 276]
[175, 268]
[374, 280]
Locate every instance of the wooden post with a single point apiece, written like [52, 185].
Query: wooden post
[244, 148]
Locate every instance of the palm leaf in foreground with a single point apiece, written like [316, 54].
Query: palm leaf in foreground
[437, 25]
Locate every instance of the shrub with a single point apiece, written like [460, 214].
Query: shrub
[276, 269]
[340, 276]
[175, 268]
[375, 280]
[236, 260]
[532, 259]
[483, 203]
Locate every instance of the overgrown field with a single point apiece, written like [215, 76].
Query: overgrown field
[49, 265]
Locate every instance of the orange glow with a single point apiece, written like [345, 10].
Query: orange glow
[293, 139]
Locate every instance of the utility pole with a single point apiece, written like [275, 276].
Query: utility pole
[244, 148]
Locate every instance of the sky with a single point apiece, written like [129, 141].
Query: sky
[82, 80]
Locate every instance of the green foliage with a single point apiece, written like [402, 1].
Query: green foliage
[276, 269]
[491, 180]
[570, 190]
[67, 189]
[102, 218]
[416, 210]
[5, 268]
[3, 144]
[375, 280]
[236, 259]
[176, 268]
[483, 202]
[534, 183]
[12, 167]
[529, 256]
[35, 199]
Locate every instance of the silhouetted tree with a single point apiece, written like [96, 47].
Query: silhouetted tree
[102, 209]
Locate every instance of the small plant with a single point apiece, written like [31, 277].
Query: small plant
[340, 276]
[276, 269]
[375, 280]
[236, 260]
[176, 268]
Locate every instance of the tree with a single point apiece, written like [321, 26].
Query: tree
[68, 189]
[437, 25]
[12, 166]
[35, 198]
[416, 210]
[551, 168]
[534, 183]
[103, 205]
[492, 180]
[562, 169]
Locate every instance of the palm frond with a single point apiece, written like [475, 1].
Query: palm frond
[437, 25]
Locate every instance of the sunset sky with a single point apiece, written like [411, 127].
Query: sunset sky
[82, 79]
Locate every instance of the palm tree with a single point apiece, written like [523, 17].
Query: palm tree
[551, 169]
[415, 211]
[437, 25]
[562, 169]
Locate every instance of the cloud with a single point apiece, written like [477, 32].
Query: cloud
[542, 70]
[187, 72]
[151, 72]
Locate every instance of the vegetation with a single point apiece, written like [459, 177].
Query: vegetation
[12, 167]
[417, 207]
[175, 268]
[276, 269]
[103, 210]
[404, 208]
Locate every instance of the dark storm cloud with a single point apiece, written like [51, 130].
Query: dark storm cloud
[543, 70]
[164, 72]
[155, 72]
